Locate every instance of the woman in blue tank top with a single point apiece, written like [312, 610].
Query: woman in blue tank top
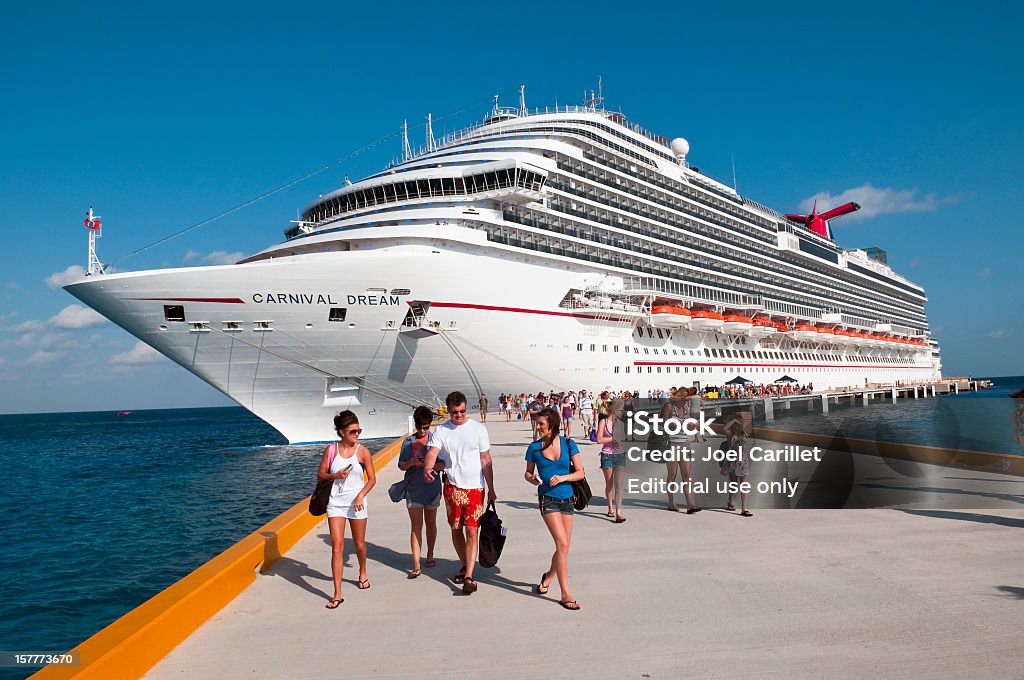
[548, 467]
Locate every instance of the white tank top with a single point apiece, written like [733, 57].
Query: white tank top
[354, 482]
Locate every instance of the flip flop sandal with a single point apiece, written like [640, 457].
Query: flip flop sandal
[746, 513]
[414, 573]
[469, 585]
[460, 577]
[540, 588]
[673, 509]
[364, 584]
[730, 507]
[620, 520]
[430, 563]
[692, 511]
[609, 514]
[571, 605]
[333, 604]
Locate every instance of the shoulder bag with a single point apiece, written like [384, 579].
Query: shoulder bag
[581, 493]
[322, 493]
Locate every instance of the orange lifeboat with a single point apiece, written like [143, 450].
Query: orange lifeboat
[762, 327]
[662, 317]
[701, 320]
[737, 323]
[805, 331]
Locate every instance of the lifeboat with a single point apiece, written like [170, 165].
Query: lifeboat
[805, 331]
[762, 327]
[682, 316]
[826, 334]
[662, 316]
[706, 321]
[736, 323]
[841, 337]
[786, 330]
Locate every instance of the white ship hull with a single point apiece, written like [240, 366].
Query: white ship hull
[495, 325]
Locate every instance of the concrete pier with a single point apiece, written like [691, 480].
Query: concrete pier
[913, 593]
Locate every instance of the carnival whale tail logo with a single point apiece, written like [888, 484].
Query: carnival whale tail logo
[819, 223]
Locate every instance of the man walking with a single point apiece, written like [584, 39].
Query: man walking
[535, 407]
[465, 448]
[586, 412]
[483, 407]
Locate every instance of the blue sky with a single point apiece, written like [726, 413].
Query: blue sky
[164, 116]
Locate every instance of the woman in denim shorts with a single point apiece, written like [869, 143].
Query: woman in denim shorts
[547, 467]
[610, 434]
[422, 498]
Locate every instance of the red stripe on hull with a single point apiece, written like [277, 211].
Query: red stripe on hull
[231, 301]
[739, 366]
[520, 310]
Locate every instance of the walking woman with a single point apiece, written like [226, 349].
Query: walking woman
[696, 401]
[346, 462]
[548, 468]
[567, 416]
[610, 434]
[683, 467]
[422, 498]
[739, 469]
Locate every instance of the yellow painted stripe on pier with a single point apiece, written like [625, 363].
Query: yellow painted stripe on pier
[133, 644]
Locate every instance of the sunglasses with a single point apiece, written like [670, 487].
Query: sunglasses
[457, 412]
[355, 432]
[422, 427]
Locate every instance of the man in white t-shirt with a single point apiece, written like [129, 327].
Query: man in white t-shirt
[586, 411]
[465, 448]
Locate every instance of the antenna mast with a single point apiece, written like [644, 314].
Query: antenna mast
[522, 100]
[92, 223]
[430, 133]
[734, 187]
[406, 149]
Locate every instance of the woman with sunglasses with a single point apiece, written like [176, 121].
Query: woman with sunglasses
[548, 468]
[347, 462]
[422, 498]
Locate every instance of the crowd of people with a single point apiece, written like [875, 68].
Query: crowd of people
[453, 463]
[756, 390]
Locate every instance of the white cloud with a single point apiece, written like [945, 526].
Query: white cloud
[28, 326]
[141, 353]
[221, 257]
[1000, 334]
[985, 273]
[11, 285]
[77, 316]
[191, 255]
[874, 201]
[43, 357]
[59, 279]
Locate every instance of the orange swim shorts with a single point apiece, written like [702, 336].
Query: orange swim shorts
[464, 506]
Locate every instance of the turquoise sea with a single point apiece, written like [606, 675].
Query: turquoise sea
[101, 511]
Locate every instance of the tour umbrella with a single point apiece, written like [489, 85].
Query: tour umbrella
[786, 378]
[738, 380]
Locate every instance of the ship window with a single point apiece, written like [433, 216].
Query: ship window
[593, 348]
[337, 314]
[627, 369]
[174, 312]
[616, 369]
[579, 347]
[400, 291]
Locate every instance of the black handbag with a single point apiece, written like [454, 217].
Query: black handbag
[492, 537]
[322, 493]
[581, 493]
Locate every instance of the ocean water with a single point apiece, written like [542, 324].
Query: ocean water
[101, 512]
[972, 421]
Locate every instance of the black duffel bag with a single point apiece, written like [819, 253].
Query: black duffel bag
[492, 537]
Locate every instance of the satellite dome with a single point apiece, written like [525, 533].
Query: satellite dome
[680, 147]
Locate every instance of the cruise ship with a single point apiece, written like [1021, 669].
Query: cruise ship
[557, 248]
